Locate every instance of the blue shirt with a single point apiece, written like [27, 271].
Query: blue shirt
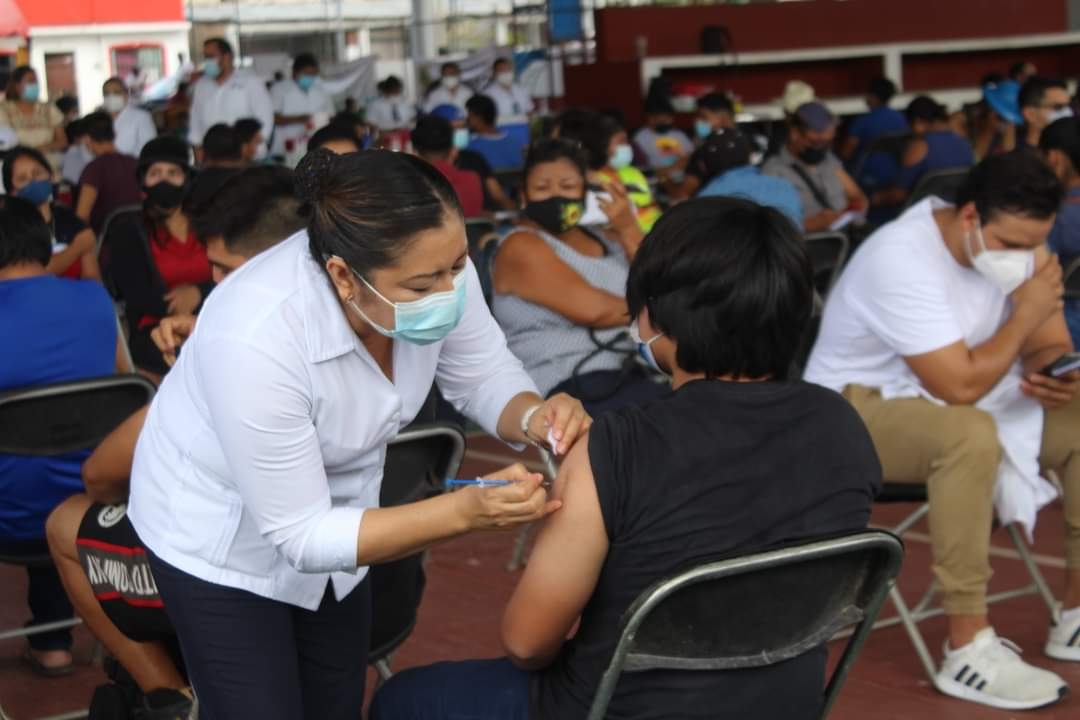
[51, 330]
[1064, 239]
[879, 121]
[503, 152]
[748, 182]
[945, 150]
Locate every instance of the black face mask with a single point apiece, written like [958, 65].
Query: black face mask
[813, 155]
[556, 214]
[664, 128]
[165, 195]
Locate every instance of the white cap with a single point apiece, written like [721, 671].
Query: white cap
[796, 93]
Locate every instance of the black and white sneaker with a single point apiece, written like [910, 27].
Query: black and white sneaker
[989, 671]
[1064, 640]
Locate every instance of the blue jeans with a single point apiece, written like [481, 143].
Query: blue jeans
[467, 690]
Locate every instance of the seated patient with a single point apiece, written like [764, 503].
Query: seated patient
[739, 458]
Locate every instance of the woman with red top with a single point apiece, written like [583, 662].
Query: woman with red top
[154, 263]
[28, 175]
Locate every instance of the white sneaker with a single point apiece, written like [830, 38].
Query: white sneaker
[1064, 640]
[989, 671]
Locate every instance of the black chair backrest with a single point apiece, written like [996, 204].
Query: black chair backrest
[64, 417]
[417, 462]
[941, 183]
[756, 610]
[478, 231]
[828, 252]
[122, 219]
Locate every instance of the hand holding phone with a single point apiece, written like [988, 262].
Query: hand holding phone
[1062, 366]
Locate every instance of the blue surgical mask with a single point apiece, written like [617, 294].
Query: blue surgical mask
[306, 82]
[36, 193]
[423, 321]
[31, 92]
[702, 128]
[211, 68]
[461, 138]
[644, 348]
[622, 157]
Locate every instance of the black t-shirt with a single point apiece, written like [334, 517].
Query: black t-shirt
[714, 469]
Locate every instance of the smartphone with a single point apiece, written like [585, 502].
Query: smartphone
[1062, 366]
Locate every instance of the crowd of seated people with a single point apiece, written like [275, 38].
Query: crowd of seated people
[571, 272]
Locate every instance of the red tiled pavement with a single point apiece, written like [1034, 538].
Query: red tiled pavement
[468, 586]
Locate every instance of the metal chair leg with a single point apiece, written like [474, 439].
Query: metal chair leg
[913, 632]
[1036, 575]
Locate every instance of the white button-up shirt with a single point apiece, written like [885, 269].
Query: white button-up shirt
[266, 441]
[290, 99]
[391, 114]
[441, 96]
[243, 95]
[134, 127]
[513, 104]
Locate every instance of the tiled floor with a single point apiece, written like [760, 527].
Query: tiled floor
[468, 585]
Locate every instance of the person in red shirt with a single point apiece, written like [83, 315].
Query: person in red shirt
[433, 140]
[151, 259]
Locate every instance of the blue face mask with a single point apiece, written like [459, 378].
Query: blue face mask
[211, 68]
[36, 193]
[622, 157]
[306, 82]
[31, 92]
[461, 138]
[644, 348]
[702, 128]
[423, 321]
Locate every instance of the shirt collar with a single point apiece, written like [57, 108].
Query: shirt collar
[328, 333]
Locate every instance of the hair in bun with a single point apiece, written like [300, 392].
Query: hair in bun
[313, 174]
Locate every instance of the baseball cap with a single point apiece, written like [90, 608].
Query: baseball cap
[1004, 99]
[448, 112]
[815, 116]
[796, 93]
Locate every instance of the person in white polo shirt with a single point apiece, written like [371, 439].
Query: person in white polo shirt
[224, 95]
[256, 478]
[301, 105]
[450, 90]
[134, 127]
[513, 103]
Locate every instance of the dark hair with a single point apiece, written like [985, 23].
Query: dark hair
[332, 133]
[20, 151]
[449, 66]
[1017, 68]
[113, 80]
[74, 130]
[392, 84]
[246, 129]
[1014, 183]
[730, 282]
[501, 61]
[550, 150]
[883, 89]
[221, 143]
[24, 236]
[304, 61]
[716, 102]
[432, 136]
[991, 78]
[369, 224]
[594, 134]
[1034, 89]
[67, 103]
[659, 106]
[483, 107]
[99, 127]
[1064, 135]
[221, 44]
[925, 108]
[17, 76]
[251, 211]
[570, 122]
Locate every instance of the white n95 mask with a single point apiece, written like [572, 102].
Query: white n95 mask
[1006, 269]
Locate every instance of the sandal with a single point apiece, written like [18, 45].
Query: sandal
[44, 670]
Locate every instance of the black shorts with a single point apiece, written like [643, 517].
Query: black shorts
[114, 561]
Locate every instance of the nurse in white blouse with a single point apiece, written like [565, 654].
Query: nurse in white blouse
[255, 486]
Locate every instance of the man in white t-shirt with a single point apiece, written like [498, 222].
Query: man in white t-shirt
[450, 90]
[301, 105]
[938, 333]
[134, 127]
[513, 104]
[225, 95]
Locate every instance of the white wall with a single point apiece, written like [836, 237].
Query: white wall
[91, 45]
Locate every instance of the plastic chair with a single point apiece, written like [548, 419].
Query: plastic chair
[758, 610]
[828, 252]
[418, 461]
[57, 419]
[1071, 278]
[941, 183]
[479, 231]
[103, 244]
[911, 617]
